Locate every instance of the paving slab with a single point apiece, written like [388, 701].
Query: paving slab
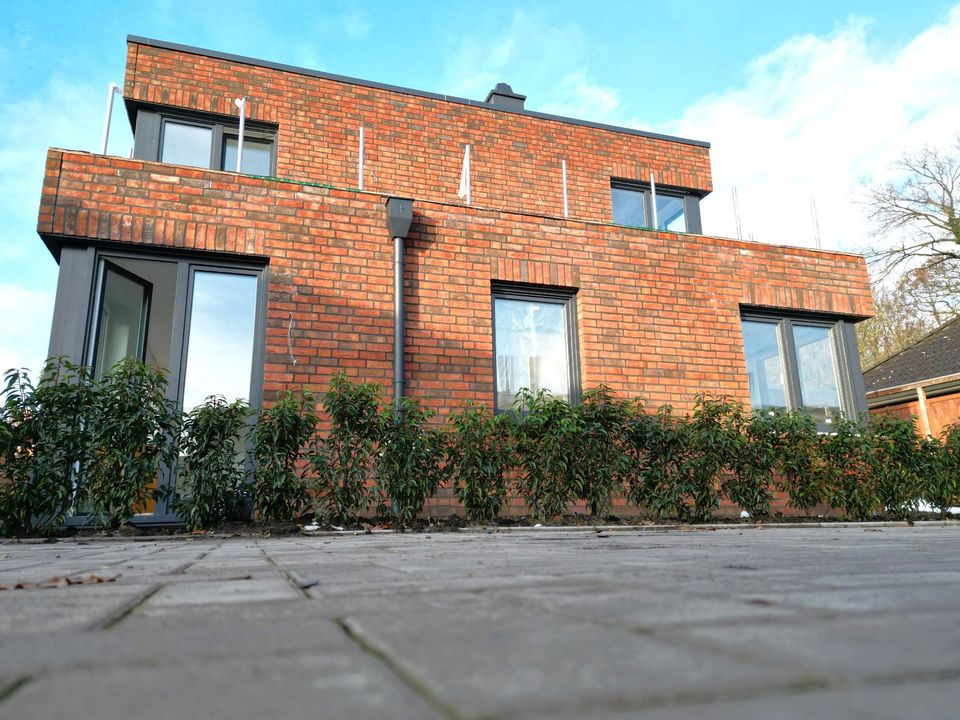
[346, 684]
[744, 622]
[26, 612]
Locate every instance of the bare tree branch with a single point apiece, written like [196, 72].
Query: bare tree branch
[922, 206]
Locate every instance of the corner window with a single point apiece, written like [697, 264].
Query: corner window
[669, 209]
[534, 341]
[802, 363]
[204, 141]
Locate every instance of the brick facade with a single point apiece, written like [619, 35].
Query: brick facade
[658, 312]
[414, 145]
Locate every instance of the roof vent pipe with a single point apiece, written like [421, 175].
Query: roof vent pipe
[503, 96]
[399, 217]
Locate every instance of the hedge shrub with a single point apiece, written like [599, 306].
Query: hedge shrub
[70, 444]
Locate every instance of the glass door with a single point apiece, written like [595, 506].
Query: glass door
[123, 310]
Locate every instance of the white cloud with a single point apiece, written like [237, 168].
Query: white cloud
[57, 114]
[529, 52]
[24, 325]
[355, 24]
[577, 96]
[814, 119]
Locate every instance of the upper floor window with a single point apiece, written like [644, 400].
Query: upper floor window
[667, 209]
[203, 141]
[535, 342]
[802, 363]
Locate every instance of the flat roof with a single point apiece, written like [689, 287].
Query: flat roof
[406, 91]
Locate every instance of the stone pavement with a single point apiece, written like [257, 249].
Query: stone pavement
[743, 622]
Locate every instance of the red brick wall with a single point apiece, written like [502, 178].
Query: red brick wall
[659, 313]
[414, 145]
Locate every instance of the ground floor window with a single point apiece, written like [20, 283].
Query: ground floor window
[804, 363]
[535, 342]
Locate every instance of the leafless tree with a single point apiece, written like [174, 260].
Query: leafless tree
[916, 269]
[895, 324]
[919, 214]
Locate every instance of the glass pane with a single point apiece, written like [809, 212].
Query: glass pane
[764, 366]
[531, 341]
[121, 320]
[670, 214]
[819, 389]
[186, 144]
[628, 207]
[256, 155]
[220, 345]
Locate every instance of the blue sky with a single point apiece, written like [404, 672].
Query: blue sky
[801, 101]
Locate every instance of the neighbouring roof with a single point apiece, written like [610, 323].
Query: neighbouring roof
[934, 356]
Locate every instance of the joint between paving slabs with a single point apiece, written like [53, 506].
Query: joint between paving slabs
[416, 685]
[296, 582]
[125, 610]
[190, 563]
[6, 691]
[794, 688]
[669, 635]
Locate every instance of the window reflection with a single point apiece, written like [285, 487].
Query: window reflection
[221, 337]
[628, 207]
[531, 341]
[632, 206]
[819, 389]
[122, 319]
[670, 214]
[185, 144]
[764, 366]
[256, 155]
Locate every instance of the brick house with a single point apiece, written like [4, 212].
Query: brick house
[542, 251]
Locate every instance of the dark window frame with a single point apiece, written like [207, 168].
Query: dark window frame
[843, 342]
[151, 126]
[529, 292]
[691, 204]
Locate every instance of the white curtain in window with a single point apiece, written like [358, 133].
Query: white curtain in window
[531, 341]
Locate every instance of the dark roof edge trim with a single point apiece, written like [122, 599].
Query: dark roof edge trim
[406, 91]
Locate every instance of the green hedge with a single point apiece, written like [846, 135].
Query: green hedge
[70, 444]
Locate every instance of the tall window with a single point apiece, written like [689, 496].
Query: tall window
[535, 342]
[635, 204]
[799, 363]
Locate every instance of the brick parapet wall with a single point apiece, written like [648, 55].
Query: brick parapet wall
[414, 144]
[659, 312]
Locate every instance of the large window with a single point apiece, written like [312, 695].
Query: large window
[535, 342]
[204, 141]
[635, 204]
[802, 363]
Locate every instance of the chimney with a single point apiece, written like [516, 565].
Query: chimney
[503, 96]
